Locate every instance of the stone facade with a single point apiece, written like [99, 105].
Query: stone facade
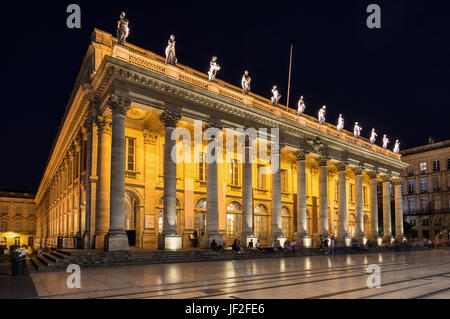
[427, 189]
[111, 173]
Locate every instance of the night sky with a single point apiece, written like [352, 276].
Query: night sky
[395, 79]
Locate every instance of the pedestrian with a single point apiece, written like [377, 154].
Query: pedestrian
[321, 242]
[251, 245]
[258, 246]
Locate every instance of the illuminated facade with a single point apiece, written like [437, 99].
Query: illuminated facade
[17, 219]
[109, 185]
[427, 189]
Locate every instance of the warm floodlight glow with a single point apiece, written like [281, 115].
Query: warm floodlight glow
[307, 242]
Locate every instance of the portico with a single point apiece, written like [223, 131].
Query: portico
[131, 131]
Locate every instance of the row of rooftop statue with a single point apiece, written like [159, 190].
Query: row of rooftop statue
[123, 31]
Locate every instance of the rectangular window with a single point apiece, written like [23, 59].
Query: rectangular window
[350, 193]
[234, 173]
[436, 183]
[411, 185]
[365, 202]
[284, 181]
[424, 203]
[336, 191]
[411, 205]
[425, 222]
[423, 168]
[202, 167]
[411, 170]
[234, 222]
[261, 177]
[436, 166]
[131, 154]
[448, 164]
[423, 185]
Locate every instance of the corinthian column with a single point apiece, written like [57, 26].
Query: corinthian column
[342, 226]
[373, 207]
[213, 132]
[398, 210]
[247, 195]
[276, 194]
[169, 239]
[302, 235]
[387, 224]
[359, 216]
[323, 197]
[104, 181]
[117, 239]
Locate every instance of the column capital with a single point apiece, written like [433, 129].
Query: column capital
[301, 155]
[104, 125]
[79, 138]
[170, 119]
[398, 181]
[372, 174]
[386, 178]
[276, 148]
[322, 160]
[342, 166]
[119, 104]
[150, 137]
[358, 170]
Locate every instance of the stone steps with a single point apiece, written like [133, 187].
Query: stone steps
[62, 258]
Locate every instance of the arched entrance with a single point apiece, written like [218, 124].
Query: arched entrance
[200, 220]
[352, 226]
[234, 221]
[130, 217]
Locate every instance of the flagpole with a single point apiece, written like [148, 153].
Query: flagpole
[289, 82]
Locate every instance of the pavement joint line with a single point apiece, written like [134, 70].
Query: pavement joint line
[437, 292]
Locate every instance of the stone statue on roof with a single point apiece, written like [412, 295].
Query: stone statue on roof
[322, 113]
[214, 67]
[373, 137]
[301, 106]
[171, 57]
[276, 96]
[123, 30]
[357, 130]
[397, 147]
[385, 141]
[340, 126]
[245, 83]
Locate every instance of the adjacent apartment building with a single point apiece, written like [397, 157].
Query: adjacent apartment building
[427, 189]
[17, 218]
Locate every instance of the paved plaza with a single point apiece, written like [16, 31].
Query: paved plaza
[423, 274]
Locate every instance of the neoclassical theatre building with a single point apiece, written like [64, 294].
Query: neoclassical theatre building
[111, 184]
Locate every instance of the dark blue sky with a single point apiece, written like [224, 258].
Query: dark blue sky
[395, 79]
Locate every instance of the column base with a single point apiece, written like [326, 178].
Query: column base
[348, 241]
[116, 241]
[282, 240]
[379, 241]
[400, 239]
[170, 242]
[208, 239]
[387, 239]
[245, 240]
[304, 241]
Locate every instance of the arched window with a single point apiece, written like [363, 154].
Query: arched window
[234, 207]
[234, 220]
[200, 217]
[260, 223]
[261, 209]
[286, 222]
[201, 204]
